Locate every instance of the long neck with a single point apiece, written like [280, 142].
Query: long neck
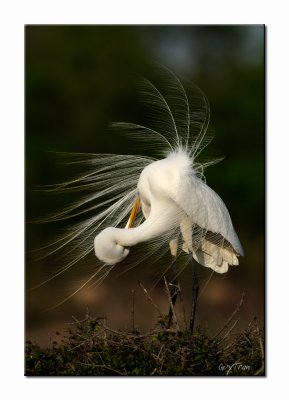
[157, 224]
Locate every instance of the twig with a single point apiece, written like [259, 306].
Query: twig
[230, 330]
[125, 334]
[206, 284]
[89, 339]
[105, 330]
[262, 368]
[183, 307]
[102, 366]
[161, 349]
[150, 299]
[171, 304]
[80, 321]
[226, 326]
[132, 310]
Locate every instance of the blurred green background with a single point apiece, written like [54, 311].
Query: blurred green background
[80, 78]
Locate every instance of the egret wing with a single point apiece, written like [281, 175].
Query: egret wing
[207, 228]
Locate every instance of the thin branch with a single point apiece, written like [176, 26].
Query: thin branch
[150, 299]
[183, 307]
[262, 368]
[171, 305]
[132, 310]
[102, 366]
[226, 326]
[230, 330]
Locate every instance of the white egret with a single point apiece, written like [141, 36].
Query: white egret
[180, 210]
[172, 196]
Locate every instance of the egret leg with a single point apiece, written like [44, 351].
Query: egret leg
[195, 292]
[174, 288]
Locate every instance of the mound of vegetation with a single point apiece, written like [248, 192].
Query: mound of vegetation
[91, 348]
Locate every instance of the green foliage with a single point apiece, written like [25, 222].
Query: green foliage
[93, 349]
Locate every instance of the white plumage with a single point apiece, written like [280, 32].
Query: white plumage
[172, 197]
[179, 211]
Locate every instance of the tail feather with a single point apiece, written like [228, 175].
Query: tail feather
[215, 257]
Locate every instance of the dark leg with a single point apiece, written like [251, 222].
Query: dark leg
[174, 288]
[195, 290]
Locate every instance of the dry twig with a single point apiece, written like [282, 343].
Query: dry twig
[226, 325]
[171, 305]
[262, 368]
[150, 299]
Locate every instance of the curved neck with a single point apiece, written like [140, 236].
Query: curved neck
[156, 225]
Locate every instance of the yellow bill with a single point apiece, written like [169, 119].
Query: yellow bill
[133, 214]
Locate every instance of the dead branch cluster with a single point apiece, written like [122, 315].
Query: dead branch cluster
[91, 347]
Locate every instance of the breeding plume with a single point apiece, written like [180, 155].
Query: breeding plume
[158, 201]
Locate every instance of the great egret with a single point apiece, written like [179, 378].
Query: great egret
[171, 196]
[180, 211]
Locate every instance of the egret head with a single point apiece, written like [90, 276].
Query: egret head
[107, 249]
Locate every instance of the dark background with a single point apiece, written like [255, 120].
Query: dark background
[80, 78]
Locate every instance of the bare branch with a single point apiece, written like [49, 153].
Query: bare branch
[226, 326]
[171, 304]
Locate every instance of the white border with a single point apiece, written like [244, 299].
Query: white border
[14, 14]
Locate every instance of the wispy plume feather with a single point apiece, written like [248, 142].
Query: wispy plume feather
[178, 120]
